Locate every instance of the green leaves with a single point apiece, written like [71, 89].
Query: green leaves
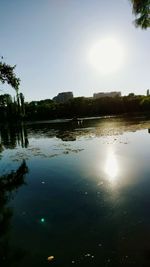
[141, 9]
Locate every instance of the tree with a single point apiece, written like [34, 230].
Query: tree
[7, 75]
[21, 96]
[141, 9]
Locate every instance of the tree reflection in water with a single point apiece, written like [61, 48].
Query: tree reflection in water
[13, 135]
[8, 184]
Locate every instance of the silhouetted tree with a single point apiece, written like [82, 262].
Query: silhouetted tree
[10, 109]
[21, 96]
[7, 75]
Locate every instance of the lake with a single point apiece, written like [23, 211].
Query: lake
[75, 190]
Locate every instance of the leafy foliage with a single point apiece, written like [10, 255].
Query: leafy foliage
[141, 9]
[7, 75]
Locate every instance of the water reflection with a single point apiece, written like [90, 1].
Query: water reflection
[96, 228]
[13, 135]
[66, 136]
[8, 184]
[96, 127]
[111, 166]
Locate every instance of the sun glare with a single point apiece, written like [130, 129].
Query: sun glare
[107, 55]
[111, 167]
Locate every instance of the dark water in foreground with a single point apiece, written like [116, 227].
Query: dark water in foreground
[79, 192]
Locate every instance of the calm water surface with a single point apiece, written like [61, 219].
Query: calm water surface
[78, 191]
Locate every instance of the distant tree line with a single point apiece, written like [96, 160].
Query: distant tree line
[76, 107]
[15, 109]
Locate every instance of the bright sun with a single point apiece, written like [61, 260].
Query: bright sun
[107, 55]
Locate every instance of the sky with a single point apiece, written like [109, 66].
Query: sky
[50, 42]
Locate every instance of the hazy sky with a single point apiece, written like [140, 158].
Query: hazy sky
[50, 42]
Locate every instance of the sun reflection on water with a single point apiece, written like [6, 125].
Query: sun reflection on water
[111, 166]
